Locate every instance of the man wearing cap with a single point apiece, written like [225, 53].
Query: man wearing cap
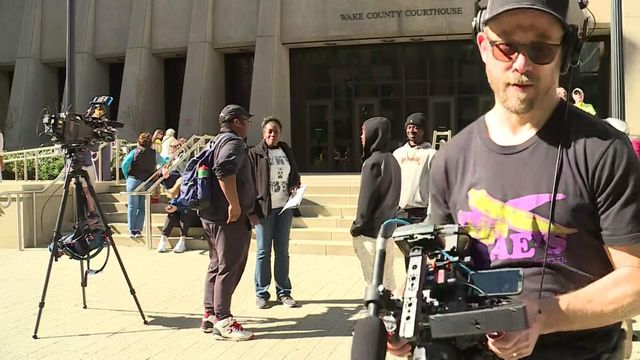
[414, 158]
[578, 100]
[500, 176]
[227, 222]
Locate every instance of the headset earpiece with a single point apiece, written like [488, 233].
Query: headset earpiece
[478, 21]
[572, 47]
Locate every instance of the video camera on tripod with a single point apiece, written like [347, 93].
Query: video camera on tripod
[447, 307]
[76, 130]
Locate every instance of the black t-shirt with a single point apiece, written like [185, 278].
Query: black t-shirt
[503, 194]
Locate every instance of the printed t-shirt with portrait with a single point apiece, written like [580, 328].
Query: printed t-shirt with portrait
[279, 177]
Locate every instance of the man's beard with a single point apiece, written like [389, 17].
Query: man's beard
[518, 103]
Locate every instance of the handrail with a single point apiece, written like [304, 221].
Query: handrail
[195, 142]
[23, 157]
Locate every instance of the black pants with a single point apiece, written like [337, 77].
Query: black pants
[414, 216]
[182, 219]
[228, 250]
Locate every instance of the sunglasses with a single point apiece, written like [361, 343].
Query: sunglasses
[539, 53]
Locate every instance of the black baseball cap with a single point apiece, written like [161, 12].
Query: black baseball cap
[555, 8]
[417, 119]
[233, 111]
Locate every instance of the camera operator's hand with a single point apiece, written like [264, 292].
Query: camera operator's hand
[520, 344]
[400, 348]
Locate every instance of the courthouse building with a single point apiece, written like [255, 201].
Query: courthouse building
[322, 66]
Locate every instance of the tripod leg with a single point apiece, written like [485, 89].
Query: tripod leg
[113, 245]
[83, 283]
[54, 251]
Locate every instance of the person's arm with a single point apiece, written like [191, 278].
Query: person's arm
[226, 163]
[126, 163]
[230, 190]
[608, 300]
[367, 199]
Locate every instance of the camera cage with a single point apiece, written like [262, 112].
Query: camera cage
[441, 305]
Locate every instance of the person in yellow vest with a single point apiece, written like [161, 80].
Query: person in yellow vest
[578, 99]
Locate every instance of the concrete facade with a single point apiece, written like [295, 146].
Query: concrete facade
[143, 33]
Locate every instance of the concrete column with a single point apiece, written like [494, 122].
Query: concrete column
[631, 35]
[92, 76]
[203, 93]
[5, 92]
[35, 85]
[270, 91]
[142, 94]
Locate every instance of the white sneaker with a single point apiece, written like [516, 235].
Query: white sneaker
[229, 329]
[162, 245]
[181, 246]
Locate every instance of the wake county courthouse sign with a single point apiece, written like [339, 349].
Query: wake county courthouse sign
[390, 14]
[315, 21]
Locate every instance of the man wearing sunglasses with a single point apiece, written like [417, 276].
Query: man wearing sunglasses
[497, 177]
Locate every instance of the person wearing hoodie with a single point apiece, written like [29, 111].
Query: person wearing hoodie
[168, 140]
[378, 199]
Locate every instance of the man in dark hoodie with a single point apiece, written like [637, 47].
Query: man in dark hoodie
[378, 199]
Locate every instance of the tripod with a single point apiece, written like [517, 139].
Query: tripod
[74, 170]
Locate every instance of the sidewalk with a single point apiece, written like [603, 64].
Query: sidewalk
[169, 287]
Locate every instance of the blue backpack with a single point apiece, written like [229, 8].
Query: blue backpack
[195, 188]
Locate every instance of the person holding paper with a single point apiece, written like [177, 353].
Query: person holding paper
[276, 177]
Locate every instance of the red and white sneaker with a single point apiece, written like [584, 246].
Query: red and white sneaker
[207, 322]
[230, 329]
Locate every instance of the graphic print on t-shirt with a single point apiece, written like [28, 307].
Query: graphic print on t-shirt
[510, 230]
[278, 177]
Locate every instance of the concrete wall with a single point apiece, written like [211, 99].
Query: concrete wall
[11, 15]
[170, 24]
[235, 23]
[111, 27]
[37, 227]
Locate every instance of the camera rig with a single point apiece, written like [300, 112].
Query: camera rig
[447, 307]
[77, 130]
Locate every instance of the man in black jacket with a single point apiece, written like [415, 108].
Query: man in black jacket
[379, 196]
[227, 223]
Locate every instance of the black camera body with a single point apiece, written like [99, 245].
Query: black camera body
[76, 130]
[448, 306]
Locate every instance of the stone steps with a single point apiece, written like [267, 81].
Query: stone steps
[328, 209]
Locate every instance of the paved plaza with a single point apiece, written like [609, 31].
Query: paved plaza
[169, 287]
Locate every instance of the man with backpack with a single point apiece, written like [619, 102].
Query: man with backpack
[226, 221]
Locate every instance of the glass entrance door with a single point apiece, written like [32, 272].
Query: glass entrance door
[442, 112]
[320, 135]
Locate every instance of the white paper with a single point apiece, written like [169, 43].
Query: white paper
[295, 199]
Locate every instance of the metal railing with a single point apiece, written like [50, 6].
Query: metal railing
[193, 146]
[21, 159]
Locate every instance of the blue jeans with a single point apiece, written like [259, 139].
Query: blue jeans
[135, 210]
[274, 229]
